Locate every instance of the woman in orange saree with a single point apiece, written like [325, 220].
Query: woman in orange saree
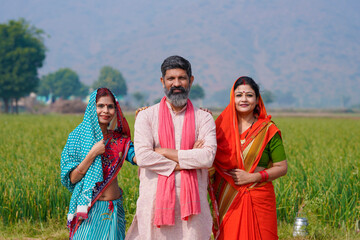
[249, 156]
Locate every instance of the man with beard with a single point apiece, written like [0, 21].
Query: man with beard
[175, 144]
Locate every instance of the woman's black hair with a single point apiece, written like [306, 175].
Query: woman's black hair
[248, 81]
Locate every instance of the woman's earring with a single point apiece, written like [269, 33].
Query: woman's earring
[257, 109]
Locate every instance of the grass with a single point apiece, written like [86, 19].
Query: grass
[322, 181]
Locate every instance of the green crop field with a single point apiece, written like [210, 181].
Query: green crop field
[323, 180]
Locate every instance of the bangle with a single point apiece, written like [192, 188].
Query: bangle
[264, 176]
[79, 171]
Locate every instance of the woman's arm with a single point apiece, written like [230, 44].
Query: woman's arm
[79, 172]
[278, 169]
[242, 177]
[130, 157]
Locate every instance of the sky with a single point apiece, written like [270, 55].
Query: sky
[306, 48]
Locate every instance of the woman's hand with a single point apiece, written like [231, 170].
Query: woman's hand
[79, 172]
[206, 110]
[139, 110]
[242, 177]
[98, 148]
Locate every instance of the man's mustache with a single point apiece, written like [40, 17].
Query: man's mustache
[182, 89]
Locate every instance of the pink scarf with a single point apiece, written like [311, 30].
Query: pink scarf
[189, 189]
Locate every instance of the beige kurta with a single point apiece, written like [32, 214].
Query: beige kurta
[151, 164]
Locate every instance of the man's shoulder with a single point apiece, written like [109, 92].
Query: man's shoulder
[148, 111]
[202, 114]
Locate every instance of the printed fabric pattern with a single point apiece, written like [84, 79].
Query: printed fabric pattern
[106, 221]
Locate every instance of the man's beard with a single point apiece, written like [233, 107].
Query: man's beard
[177, 99]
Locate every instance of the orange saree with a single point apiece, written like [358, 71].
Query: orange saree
[242, 211]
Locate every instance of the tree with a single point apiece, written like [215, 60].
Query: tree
[62, 83]
[286, 98]
[267, 96]
[139, 97]
[22, 52]
[221, 98]
[345, 99]
[196, 92]
[111, 79]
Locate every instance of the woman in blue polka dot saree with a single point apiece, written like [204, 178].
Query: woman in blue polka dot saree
[90, 162]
